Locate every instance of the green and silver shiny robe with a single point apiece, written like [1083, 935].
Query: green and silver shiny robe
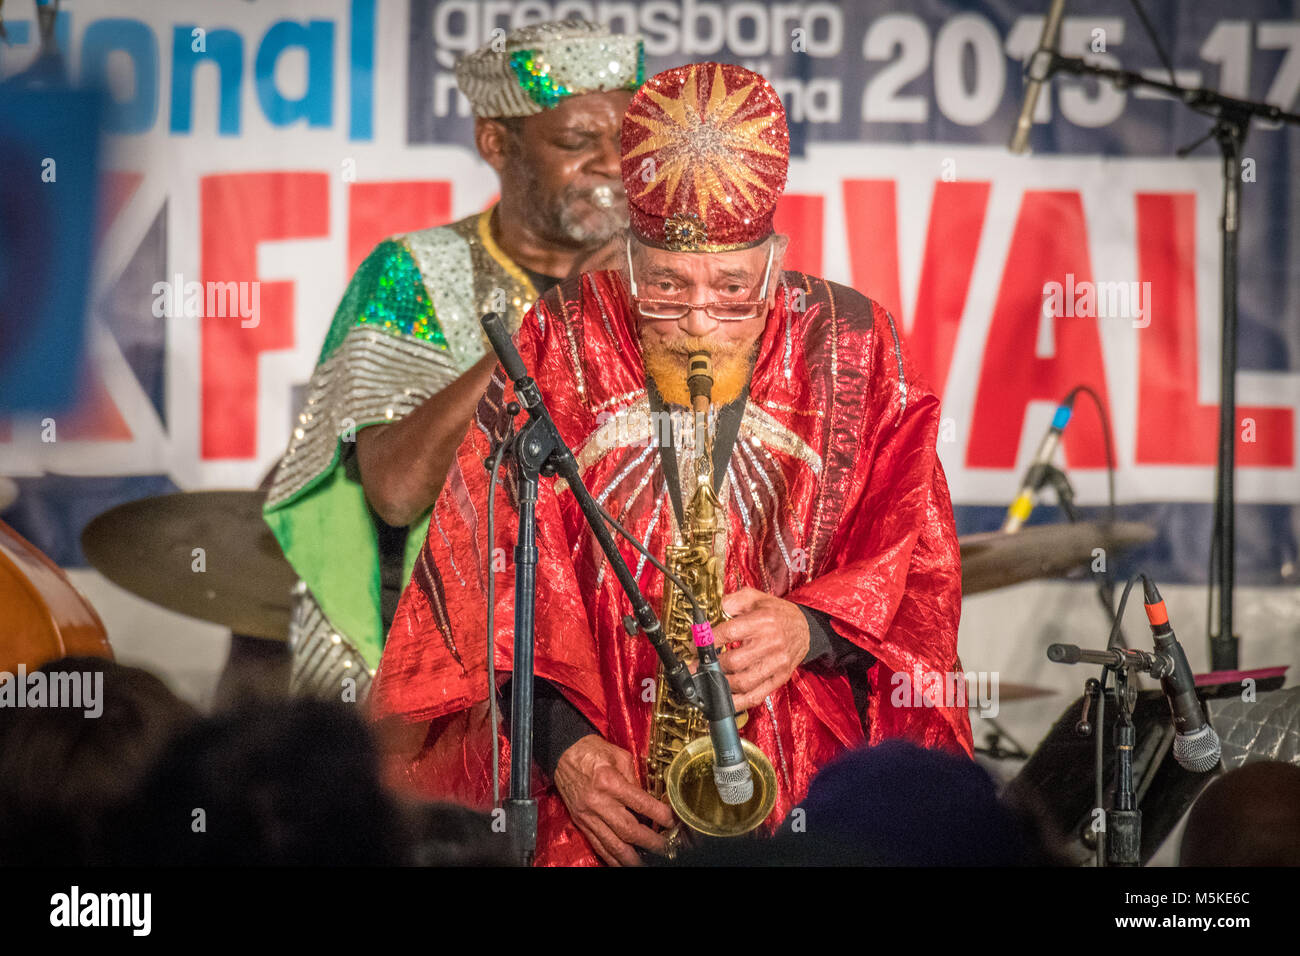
[408, 325]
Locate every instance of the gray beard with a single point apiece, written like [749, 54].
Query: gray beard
[610, 223]
[558, 216]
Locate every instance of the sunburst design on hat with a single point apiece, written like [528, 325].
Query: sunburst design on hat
[711, 150]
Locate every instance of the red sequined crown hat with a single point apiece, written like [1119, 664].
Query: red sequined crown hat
[705, 155]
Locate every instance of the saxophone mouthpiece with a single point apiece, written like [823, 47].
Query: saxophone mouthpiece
[699, 379]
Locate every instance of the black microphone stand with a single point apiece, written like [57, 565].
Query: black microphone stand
[1232, 119]
[1120, 842]
[539, 450]
[1124, 819]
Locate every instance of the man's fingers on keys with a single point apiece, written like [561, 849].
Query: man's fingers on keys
[634, 798]
[614, 851]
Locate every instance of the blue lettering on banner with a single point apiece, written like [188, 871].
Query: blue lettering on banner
[225, 48]
[361, 84]
[137, 41]
[316, 38]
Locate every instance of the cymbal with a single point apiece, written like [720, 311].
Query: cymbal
[995, 559]
[1008, 692]
[240, 579]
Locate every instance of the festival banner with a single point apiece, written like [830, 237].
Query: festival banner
[255, 152]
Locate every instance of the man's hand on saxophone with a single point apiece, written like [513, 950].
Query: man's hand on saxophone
[598, 783]
[771, 639]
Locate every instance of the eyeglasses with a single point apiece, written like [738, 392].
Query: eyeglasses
[723, 311]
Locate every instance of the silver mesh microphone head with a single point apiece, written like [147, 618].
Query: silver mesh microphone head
[1199, 751]
[735, 783]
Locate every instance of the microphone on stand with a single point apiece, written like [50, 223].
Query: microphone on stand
[1196, 745]
[731, 771]
[1048, 43]
[1038, 472]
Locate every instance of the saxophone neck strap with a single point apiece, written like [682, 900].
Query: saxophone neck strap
[724, 440]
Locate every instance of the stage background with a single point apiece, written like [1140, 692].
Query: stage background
[276, 142]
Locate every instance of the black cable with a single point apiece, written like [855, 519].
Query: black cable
[1104, 415]
[681, 586]
[1119, 614]
[491, 615]
[1155, 42]
[1168, 64]
[1106, 583]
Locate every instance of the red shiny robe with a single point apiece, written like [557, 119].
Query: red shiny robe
[835, 499]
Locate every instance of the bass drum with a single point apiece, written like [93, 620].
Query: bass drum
[42, 616]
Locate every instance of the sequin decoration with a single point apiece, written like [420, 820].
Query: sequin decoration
[445, 258]
[387, 292]
[707, 141]
[542, 63]
[535, 77]
[587, 66]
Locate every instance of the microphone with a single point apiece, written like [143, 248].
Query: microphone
[1046, 44]
[731, 772]
[509, 356]
[1196, 745]
[1114, 657]
[1022, 505]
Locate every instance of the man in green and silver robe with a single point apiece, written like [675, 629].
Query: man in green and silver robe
[405, 362]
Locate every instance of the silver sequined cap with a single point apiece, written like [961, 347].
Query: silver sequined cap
[538, 65]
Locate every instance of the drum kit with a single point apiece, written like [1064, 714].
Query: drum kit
[154, 548]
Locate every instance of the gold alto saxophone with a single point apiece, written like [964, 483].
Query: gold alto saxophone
[679, 762]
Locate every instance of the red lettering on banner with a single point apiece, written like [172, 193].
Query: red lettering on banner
[871, 220]
[952, 239]
[239, 211]
[1050, 242]
[379, 210]
[95, 416]
[956, 221]
[802, 217]
[1173, 427]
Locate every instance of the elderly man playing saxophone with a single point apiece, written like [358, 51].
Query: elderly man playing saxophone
[838, 553]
